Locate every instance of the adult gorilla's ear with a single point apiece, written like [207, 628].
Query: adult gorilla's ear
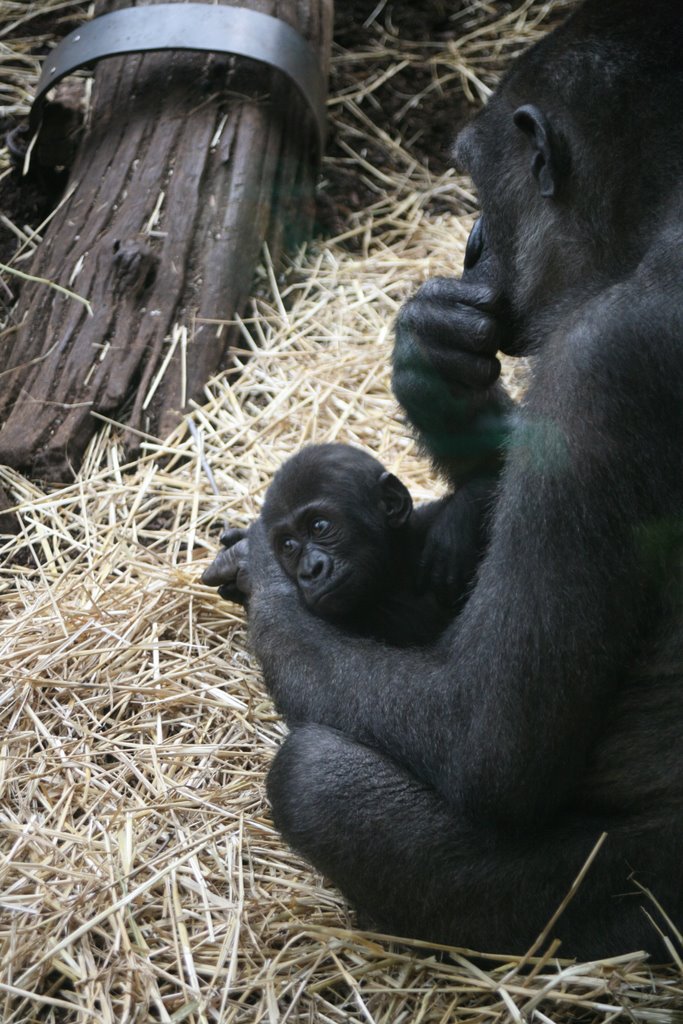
[550, 162]
[394, 499]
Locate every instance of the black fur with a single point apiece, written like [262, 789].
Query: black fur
[454, 792]
[345, 531]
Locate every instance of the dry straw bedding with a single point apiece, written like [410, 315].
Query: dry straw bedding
[141, 878]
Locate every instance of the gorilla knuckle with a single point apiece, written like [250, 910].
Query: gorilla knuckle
[439, 290]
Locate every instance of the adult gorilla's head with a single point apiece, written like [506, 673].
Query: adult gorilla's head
[574, 175]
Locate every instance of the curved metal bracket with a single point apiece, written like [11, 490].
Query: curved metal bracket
[189, 26]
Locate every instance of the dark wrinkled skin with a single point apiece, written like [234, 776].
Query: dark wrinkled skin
[345, 531]
[453, 793]
[229, 570]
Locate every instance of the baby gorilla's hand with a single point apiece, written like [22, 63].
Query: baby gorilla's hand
[229, 571]
[455, 543]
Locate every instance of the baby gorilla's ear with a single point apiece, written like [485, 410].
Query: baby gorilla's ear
[394, 499]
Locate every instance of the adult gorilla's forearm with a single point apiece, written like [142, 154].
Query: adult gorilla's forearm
[464, 430]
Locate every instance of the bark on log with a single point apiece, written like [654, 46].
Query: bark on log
[188, 165]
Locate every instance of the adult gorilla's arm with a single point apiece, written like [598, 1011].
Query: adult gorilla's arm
[445, 371]
[500, 715]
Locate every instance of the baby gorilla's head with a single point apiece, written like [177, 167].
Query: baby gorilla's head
[333, 515]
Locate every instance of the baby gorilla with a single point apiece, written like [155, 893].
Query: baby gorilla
[345, 531]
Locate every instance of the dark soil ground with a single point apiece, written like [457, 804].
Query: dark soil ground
[427, 129]
[28, 200]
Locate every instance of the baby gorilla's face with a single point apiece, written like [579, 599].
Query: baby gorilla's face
[329, 514]
[334, 567]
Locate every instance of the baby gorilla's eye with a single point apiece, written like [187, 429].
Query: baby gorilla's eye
[288, 545]
[319, 526]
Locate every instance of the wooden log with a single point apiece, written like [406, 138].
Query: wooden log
[188, 164]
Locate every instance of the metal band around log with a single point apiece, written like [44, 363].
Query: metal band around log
[201, 27]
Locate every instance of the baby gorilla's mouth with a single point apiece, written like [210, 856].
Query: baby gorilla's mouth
[333, 600]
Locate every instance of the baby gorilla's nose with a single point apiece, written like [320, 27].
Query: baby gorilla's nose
[314, 567]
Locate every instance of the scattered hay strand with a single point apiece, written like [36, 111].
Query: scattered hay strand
[141, 878]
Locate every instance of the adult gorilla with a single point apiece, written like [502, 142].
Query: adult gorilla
[454, 793]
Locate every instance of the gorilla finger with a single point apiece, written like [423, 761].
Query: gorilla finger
[462, 328]
[217, 571]
[243, 580]
[464, 370]
[450, 291]
[225, 565]
[451, 327]
[233, 594]
[422, 316]
[231, 536]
